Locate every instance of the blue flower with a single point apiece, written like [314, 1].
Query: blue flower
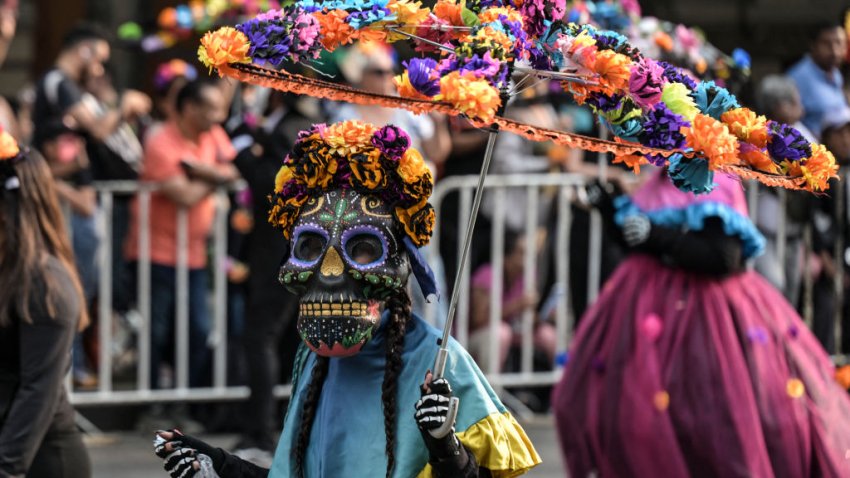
[713, 100]
[741, 58]
[691, 175]
[627, 130]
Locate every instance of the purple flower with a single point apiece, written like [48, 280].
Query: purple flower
[677, 75]
[392, 141]
[534, 17]
[785, 142]
[646, 83]
[662, 130]
[602, 102]
[420, 70]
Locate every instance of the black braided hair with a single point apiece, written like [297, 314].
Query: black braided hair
[308, 412]
[399, 306]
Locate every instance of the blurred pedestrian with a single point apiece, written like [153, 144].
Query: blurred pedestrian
[779, 99]
[59, 93]
[189, 158]
[41, 308]
[64, 150]
[818, 74]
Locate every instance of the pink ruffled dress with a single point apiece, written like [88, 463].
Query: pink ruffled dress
[675, 374]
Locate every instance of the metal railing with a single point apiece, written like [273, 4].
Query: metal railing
[141, 392]
[560, 190]
[563, 188]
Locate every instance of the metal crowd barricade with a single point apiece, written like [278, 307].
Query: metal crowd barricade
[109, 392]
[566, 187]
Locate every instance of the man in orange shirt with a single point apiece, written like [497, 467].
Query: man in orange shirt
[189, 157]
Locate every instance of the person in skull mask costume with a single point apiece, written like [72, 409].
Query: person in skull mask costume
[352, 199]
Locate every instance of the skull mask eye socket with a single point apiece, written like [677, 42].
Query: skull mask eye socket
[365, 248]
[309, 245]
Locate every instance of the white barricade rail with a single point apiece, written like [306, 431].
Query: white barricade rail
[140, 392]
[567, 188]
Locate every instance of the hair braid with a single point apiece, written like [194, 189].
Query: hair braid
[308, 412]
[399, 306]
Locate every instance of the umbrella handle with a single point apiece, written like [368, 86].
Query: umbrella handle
[451, 416]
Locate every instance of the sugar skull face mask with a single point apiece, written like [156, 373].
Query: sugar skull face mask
[346, 258]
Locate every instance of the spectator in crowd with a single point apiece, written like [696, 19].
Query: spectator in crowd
[66, 156]
[189, 157]
[170, 77]
[117, 157]
[515, 302]
[830, 232]
[779, 99]
[59, 93]
[41, 308]
[270, 338]
[818, 74]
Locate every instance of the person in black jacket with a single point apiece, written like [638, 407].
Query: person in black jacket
[41, 307]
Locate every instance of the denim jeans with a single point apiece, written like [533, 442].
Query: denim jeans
[163, 314]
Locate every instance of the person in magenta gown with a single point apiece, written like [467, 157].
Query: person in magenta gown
[690, 363]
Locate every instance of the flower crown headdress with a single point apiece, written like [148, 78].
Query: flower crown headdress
[362, 157]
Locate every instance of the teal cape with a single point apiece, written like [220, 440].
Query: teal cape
[348, 439]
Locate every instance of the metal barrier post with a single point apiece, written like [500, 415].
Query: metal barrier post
[182, 302]
[143, 274]
[497, 264]
[219, 337]
[563, 325]
[462, 327]
[529, 273]
[105, 293]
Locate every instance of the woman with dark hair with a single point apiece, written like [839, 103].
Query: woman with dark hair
[352, 199]
[41, 307]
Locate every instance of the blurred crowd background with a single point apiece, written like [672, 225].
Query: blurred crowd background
[79, 87]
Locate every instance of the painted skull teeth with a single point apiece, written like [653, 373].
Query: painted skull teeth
[330, 309]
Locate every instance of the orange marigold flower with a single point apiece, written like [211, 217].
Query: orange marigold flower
[335, 31]
[8, 146]
[347, 137]
[370, 35]
[614, 70]
[664, 41]
[819, 168]
[713, 140]
[746, 126]
[222, 47]
[406, 13]
[492, 14]
[758, 159]
[412, 168]
[472, 96]
[496, 37]
[449, 11]
[633, 161]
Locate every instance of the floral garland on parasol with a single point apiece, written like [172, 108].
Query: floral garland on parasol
[657, 113]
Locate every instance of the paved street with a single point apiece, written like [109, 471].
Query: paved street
[130, 455]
